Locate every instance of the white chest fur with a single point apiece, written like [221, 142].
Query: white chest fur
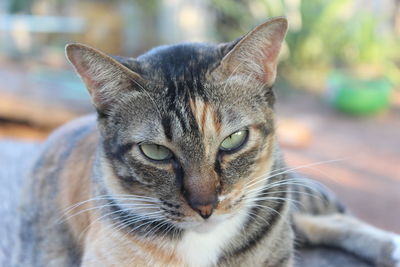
[201, 249]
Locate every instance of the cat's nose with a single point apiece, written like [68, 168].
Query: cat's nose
[204, 211]
[205, 207]
[201, 192]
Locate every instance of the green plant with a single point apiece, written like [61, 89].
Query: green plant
[20, 6]
[326, 35]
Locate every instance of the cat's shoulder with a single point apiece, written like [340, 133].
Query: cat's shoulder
[77, 137]
[74, 130]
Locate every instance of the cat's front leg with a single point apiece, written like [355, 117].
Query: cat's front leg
[343, 231]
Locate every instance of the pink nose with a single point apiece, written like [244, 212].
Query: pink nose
[205, 211]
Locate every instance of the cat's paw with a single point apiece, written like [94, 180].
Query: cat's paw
[396, 250]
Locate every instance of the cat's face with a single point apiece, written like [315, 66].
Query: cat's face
[187, 130]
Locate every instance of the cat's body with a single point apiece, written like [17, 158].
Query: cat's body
[182, 168]
[202, 247]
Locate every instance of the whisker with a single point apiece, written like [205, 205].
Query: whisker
[252, 182]
[255, 215]
[142, 225]
[161, 224]
[111, 213]
[290, 181]
[285, 191]
[275, 198]
[270, 209]
[139, 205]
[124, 223]
[115, 197]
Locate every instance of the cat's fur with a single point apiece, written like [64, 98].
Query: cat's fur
[133, 211]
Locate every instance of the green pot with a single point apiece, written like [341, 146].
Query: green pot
[358, 96]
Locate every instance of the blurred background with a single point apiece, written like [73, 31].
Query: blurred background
[338, 86]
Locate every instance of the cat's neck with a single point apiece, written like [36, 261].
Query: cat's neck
[193, 248]
[210, 242]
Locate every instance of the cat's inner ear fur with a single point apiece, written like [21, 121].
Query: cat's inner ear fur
[105, 78]
[256, 53]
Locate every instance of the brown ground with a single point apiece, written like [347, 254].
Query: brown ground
[367, 174]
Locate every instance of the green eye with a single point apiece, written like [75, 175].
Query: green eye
[234, 141]
[156, 152]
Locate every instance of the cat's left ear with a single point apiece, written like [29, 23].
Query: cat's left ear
[256, 53]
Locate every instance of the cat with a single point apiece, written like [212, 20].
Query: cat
[180, 166]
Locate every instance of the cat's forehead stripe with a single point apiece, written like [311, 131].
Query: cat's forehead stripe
[166, 124]
[206, 116]
[217, 122]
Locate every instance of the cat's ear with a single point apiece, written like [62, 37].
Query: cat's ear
[256, 53]
[104, 77]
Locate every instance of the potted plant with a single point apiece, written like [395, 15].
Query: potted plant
[365, 70]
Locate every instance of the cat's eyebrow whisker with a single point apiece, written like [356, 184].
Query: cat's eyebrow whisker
[149, 96]
[243, 82]
[231, 75]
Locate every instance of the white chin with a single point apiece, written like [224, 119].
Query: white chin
[205, 226]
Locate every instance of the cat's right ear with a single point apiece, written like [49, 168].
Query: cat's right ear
[104, 77]
[256, 53]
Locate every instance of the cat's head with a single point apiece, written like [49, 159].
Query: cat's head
[187, 130]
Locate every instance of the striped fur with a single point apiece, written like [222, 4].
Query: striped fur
[94, 199]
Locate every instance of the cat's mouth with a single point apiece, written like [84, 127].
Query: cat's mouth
[202, 226]
[228, 207]
[222, 214]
